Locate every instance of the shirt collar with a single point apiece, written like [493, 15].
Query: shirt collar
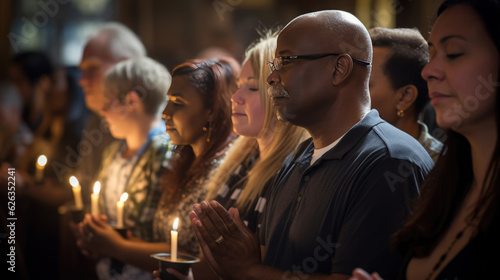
[354, 135]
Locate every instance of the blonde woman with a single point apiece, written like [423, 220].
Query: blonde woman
[256, 157]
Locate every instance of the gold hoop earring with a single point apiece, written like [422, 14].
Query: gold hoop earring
[208, 128]
[401, 113]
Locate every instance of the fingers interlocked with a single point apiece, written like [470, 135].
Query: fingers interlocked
[214, 226]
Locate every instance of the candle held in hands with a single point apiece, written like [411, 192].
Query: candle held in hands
[94, 199]
[119, 210]
[77, 192]
[173, 244]
[40, 167]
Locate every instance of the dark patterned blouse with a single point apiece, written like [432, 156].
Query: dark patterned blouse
[229, 193]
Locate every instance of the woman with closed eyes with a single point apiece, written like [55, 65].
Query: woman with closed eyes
[453, 233]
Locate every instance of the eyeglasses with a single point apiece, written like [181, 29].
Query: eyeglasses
[277, 63]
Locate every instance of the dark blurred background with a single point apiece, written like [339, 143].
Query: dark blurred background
[174, 31]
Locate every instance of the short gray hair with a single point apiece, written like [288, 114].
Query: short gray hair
[148, 78]
[122, 43]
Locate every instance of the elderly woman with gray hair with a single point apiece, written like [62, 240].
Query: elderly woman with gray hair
[135, 91]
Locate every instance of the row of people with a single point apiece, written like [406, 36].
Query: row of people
[252, 116]
[340, 195]
[451, 230]
[337, 187]
[127, 121]
[198, 116]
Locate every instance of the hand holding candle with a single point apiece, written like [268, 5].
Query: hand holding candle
[119, 210]
[173, 244]
[40, 167]
[94, 199]
[77, 192]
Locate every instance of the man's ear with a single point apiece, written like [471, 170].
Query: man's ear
[406, 97]
[342, 69]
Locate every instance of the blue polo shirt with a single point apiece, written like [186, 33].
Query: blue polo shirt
[339, 213]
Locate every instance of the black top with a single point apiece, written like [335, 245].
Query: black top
[479, 259]
[230, 192]
[339, 213]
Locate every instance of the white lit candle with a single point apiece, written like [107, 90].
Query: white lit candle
[77, 192]
[119, 210]
[173, 244]
[94, 199]
[40, 167]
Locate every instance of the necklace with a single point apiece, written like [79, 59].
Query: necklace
[443, 256]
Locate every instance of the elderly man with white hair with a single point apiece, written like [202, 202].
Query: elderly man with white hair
[110, 44]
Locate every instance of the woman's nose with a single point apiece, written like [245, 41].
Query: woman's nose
[167, 112]
[237, 97]
[432, 70]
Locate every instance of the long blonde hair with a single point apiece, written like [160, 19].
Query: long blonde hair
[285, 139]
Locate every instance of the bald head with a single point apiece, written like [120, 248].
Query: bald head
[332, 31]
[322, 69]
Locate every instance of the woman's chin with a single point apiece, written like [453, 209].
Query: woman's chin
[239, 131]
[245, 132]
[173, 139]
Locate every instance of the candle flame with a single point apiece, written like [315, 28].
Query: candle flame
[176, 223]
[97, 187]
[73, 181]
[124, 197]
[42, 160]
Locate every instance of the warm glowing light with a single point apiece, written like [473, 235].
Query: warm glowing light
[73, 181]
[94, 199]
[42, 160]
[40, 167]
[119, 210]
[173, 241]
[97, 187]
[124, 197]
[77, 192]
[176, 223]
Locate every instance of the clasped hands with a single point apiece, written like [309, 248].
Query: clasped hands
[228, 245]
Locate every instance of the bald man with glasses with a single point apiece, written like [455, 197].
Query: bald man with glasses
[339, 197]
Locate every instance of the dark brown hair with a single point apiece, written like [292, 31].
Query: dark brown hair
[409, 54]
[215, 80]
[447, 185]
